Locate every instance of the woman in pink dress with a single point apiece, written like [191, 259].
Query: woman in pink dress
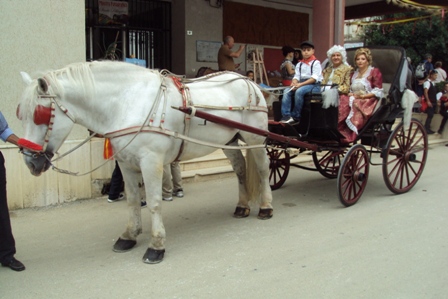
[365, 90]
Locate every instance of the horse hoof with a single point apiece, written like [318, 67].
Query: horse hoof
[153, 256]
[265, 214]
[241, 212]
[123, 245]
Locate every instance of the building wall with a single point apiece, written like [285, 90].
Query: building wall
[206, 24]
[39, 35]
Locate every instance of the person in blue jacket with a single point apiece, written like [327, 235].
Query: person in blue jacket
[7, 242]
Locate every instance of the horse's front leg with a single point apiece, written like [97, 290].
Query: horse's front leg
[128, 239]
[152, 172]
[239, 166]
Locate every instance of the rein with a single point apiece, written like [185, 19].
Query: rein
[177, 135]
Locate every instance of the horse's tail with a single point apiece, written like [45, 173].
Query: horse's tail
[253, 178]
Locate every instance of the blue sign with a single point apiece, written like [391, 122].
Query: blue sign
[136, 61]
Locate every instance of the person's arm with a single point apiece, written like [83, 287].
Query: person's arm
[317, 71]
[237, 53]
[290, 68]
[344, 87]
[377, 78]
[13, 139]
[376, 81]
[6, 134]
[425, 93]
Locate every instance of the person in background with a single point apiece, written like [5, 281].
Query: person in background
[287, 68]
[430, 96]
[441, 74]
[428, 63]
[308, 75]
[226, 56]
[172, 181]
[442, 97]
[117, 187]
[7, 242]
[250, 75]
[297, 57]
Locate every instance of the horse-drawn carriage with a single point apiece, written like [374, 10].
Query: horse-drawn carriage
[131, 106]
[402, 145]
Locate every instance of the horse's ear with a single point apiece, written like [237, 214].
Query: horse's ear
[26, 78]
[43, 85]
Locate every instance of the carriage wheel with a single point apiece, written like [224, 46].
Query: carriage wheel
[279, 162]
[353, 174]
[328, 165]
[404, 157]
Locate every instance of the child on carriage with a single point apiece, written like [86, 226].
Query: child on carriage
[308, 75]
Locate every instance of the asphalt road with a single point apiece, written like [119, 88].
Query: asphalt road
[385, 246]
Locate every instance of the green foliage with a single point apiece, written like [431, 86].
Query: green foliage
[429, 35]
[440, 86]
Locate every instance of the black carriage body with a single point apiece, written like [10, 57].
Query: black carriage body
[316, 122]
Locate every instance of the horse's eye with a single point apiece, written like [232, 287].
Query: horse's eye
[18, 112]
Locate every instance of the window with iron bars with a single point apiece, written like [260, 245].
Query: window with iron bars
[144, 32]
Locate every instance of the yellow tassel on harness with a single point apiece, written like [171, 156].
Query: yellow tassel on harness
[108, 151]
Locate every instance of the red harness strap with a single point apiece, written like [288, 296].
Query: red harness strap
[185, 101]
[182, 89]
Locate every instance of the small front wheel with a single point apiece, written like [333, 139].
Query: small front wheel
[353, 175]
[279, 163]
[329, 163]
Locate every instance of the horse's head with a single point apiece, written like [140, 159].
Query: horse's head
[46, 123]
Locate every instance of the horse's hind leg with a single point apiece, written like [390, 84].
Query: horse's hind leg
[128, 239]
[239, 166]
[258, 181]
[152, 172]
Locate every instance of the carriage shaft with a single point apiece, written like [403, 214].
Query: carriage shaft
[240, 126]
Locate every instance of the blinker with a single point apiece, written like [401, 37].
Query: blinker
[42, 115]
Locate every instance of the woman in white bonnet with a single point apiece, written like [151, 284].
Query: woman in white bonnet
[338, 71]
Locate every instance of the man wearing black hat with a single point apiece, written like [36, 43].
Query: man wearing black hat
[308, 75]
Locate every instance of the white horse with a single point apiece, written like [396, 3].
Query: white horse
[131, 105]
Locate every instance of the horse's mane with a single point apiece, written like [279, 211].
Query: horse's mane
[78, 74]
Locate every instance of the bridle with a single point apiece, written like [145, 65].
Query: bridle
[43, 115]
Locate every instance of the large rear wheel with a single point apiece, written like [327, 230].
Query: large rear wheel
[279, 164]
[329, 163]
[404, 157]
[353, 175]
